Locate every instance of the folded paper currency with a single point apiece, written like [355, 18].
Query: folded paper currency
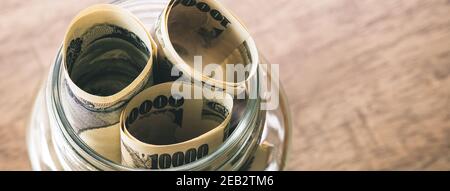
[160, 130]
[108, 58]
[205, 42]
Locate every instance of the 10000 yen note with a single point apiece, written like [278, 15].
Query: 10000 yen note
[160, 130]
[108, 57]
[191, 28]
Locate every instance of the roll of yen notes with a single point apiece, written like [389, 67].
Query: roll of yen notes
[161, 130]
[205, 42]
[108, 58]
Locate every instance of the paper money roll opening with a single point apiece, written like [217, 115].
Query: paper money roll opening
[206, 42]
[160, 130]
[107, 54]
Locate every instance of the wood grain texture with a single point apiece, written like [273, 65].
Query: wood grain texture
[368, 81]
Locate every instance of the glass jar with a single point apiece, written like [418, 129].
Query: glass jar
[259, 135]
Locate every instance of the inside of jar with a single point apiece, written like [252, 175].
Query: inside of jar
[240, 114]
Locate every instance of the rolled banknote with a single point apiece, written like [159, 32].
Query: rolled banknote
[108, 58]
[190, 32]
[161, 130]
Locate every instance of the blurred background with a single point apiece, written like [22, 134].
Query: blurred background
[368, 81]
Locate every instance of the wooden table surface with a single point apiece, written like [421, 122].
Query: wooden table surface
[368, 81]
